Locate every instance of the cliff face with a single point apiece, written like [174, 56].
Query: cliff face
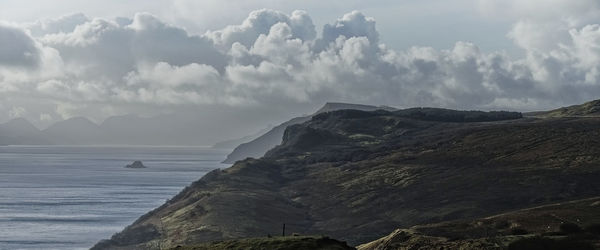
[356, 176]
[257, 147]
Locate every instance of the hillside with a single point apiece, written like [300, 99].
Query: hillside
[259, 146]
[356, 176]
[577, 220]
[589, 109]
[279, 243]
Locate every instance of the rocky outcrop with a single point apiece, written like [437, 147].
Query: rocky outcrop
[136, 164]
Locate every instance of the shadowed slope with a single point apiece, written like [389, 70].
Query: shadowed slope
[279, 243]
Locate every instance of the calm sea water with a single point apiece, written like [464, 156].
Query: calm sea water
[59, 197]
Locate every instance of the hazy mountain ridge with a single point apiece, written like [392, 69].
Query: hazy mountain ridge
[169, 129]
[20, 131]
[72, 131]
[233, 143]
[357, 176]
[75, 131]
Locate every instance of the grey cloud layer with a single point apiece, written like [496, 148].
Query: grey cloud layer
[17, 48]
[273, 58]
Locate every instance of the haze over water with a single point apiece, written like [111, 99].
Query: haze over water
[63, 197]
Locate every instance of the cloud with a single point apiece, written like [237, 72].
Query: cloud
[575, 12]
[63, 24]
[259, 23]
[154, 40]
[543, 25]
[106, 49]
[353, 24]
[273, 60]
[46, 117]
[17, 48]
[586, 45]
[17, 112]
[163, 83]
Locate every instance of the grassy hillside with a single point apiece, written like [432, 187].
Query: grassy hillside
[357, 176]
[568, 225]
[279, 243]
[587, 109]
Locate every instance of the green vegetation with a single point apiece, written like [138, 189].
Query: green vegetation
[588, 109]
[544, 227]
[576, 238]
[427, 114]
[545, 243]
[448, 115]
[272, 243]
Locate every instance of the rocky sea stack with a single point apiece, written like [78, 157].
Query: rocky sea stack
[136, 164]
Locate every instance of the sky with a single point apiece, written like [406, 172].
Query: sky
[276, 59]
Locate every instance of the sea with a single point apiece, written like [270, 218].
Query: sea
[71, 197]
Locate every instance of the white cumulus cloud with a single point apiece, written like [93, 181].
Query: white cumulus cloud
[78, 65]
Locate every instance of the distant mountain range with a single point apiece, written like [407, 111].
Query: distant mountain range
[20, 131]
[117, 130]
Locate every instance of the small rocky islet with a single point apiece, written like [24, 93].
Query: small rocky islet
[136, 164]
